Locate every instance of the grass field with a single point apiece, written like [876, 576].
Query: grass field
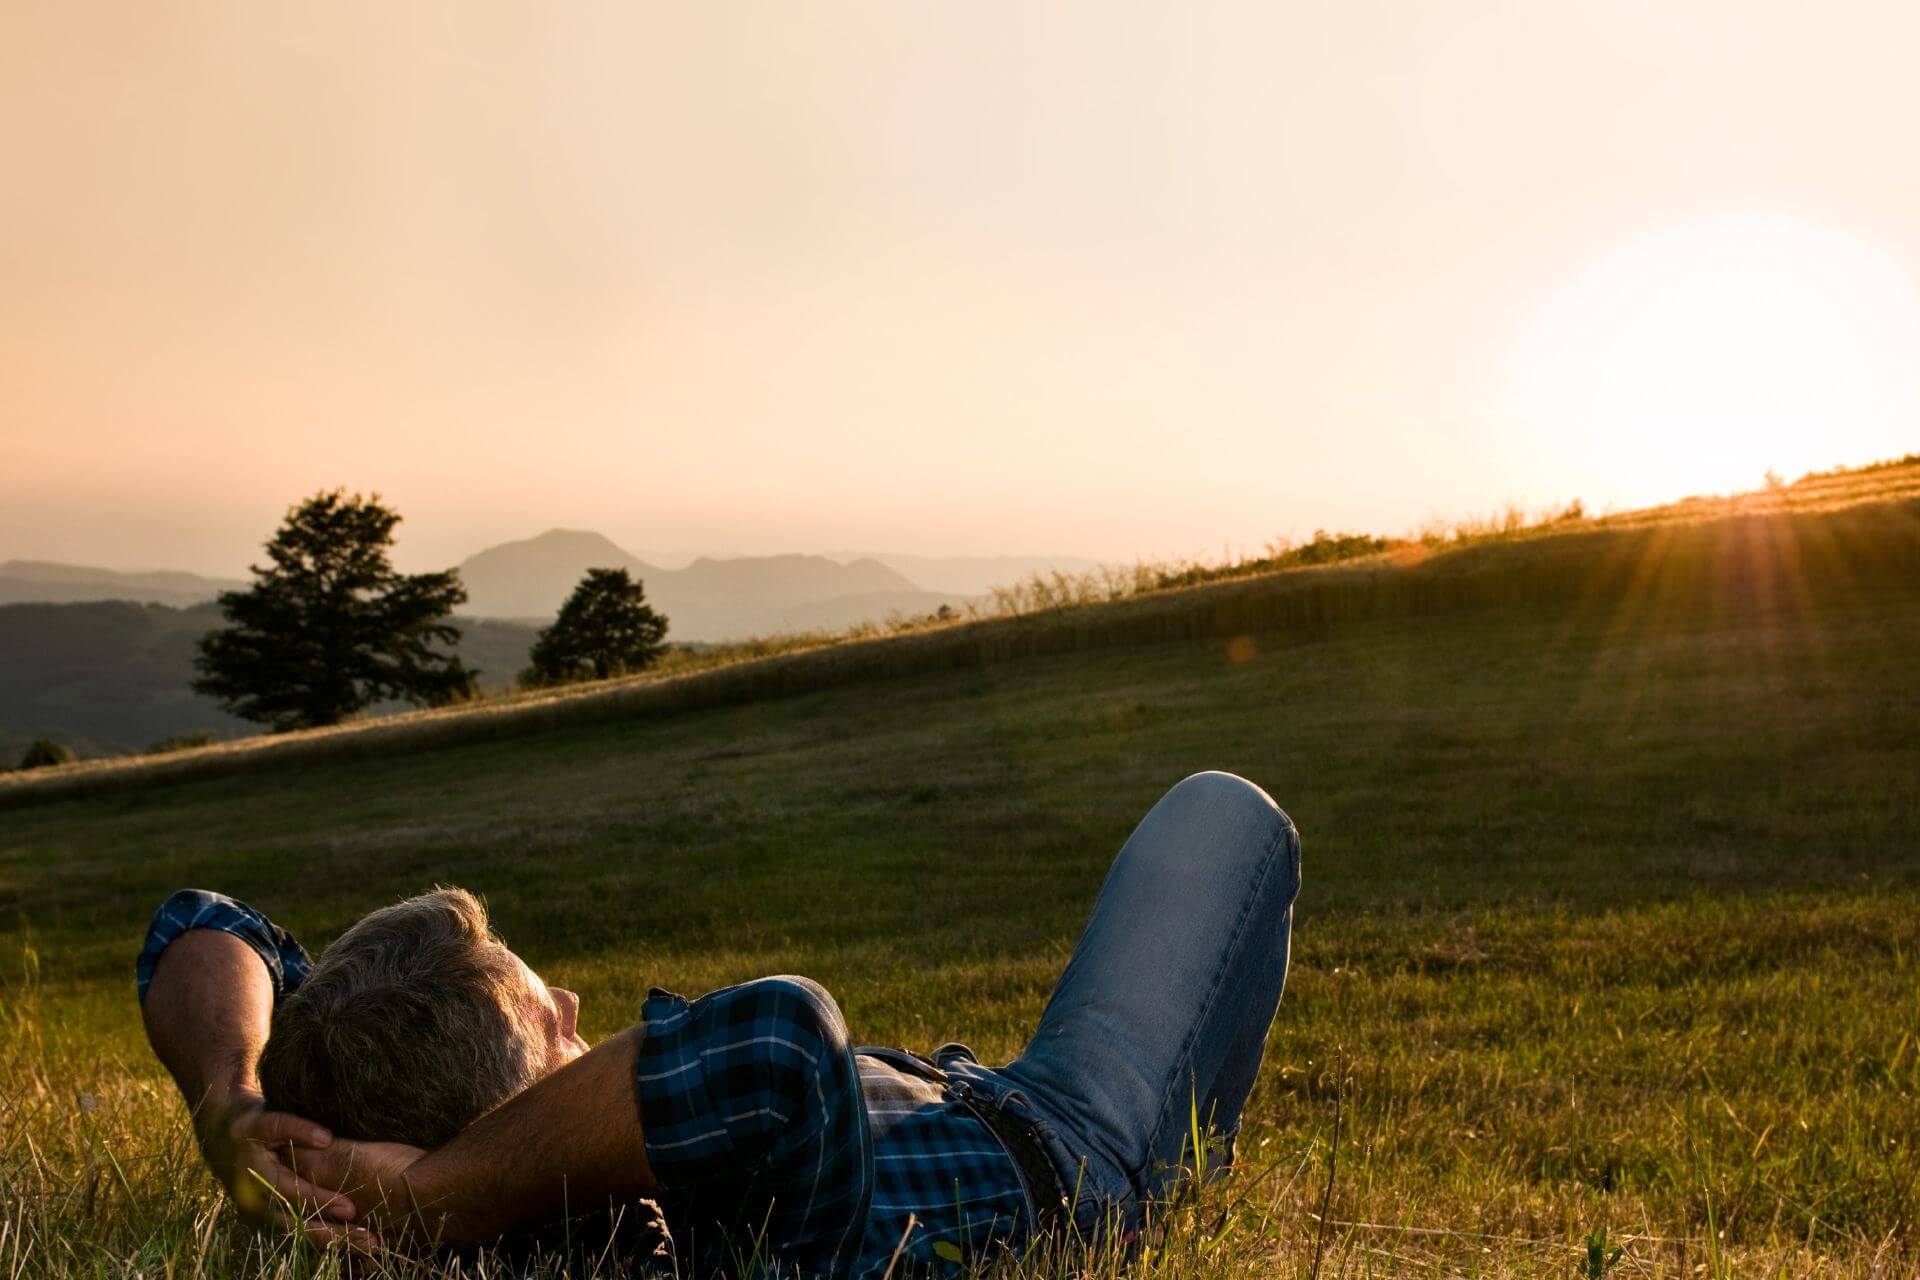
[1611, 917]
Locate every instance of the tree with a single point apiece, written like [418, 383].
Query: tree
[329, 627]
[605, 628]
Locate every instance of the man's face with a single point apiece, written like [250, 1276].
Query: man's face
[553, 1013]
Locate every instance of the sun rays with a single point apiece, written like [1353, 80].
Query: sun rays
[1695, 358]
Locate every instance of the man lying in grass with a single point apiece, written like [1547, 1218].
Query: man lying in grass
[422, 1087]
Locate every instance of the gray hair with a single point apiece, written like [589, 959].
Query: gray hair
[408, 1029]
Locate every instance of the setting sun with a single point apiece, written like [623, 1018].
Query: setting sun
[1695, 358]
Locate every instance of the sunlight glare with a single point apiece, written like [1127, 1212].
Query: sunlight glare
[1693, 359]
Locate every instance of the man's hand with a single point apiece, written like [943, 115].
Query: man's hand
[373, 1176]
[243, 1141]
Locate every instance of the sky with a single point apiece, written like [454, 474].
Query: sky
[958, 277]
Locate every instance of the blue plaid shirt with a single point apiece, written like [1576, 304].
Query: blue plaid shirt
[287, 961]
[773, 1139]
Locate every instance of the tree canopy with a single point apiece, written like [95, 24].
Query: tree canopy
[606, 628]
[328, 627]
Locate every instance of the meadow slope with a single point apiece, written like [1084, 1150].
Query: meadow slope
[1838, 537]
[1611, 916]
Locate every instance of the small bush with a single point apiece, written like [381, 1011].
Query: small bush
[183, 742]
[45, 752]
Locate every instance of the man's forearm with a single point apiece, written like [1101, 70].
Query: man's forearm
[208, 1009]
[208, 1012]
[570, 1143]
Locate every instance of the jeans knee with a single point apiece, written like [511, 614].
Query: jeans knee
[1229, 792]
[1243, 814]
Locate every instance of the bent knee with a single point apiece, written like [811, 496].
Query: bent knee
[1219, 791]
[1241, 818]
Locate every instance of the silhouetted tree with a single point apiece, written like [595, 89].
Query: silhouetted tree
[605, 628]
[329, 627]
[43, 752]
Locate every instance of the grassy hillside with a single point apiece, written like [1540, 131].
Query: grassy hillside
[1611, 915]
[62, 669]
[1652, 562]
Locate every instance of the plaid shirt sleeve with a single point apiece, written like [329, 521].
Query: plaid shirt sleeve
[286, 960]
[754, 1124]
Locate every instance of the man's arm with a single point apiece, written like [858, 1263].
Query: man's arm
[207, 1013]
[208, 1007]
[570, 1143]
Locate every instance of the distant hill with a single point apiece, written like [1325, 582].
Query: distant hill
[968, 575]
[708, 600]
[43, 581]
[107, 677]
[530, 578]
[102, 660]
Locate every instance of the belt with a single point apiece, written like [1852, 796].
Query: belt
[1037, 1170]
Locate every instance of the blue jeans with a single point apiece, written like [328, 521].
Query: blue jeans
[1166, 1002]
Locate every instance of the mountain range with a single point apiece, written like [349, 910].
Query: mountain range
[706, 601]
[43, 582]
[102, 660]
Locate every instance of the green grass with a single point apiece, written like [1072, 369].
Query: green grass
[1611, 918]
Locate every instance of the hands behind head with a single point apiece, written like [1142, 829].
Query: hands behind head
[253, 1152]
[286, 1171]
[370, 1179]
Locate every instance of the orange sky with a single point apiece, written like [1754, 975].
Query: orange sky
[1102, 278]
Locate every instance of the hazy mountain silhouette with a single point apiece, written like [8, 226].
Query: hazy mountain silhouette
[43, 581]
[709, 600]
[102, 660]
[530, 578]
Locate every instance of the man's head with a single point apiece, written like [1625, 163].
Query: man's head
[416, 1022]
